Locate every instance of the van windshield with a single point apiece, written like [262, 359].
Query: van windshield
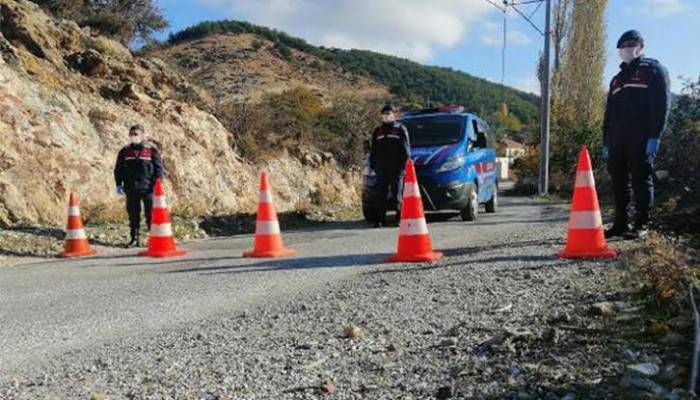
[434, 130]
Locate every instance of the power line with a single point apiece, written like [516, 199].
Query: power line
[545, 115]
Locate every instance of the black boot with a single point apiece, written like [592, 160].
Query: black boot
[617, 230]
[637, 232]
[134, 240]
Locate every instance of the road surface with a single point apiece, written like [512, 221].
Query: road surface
[55, 313]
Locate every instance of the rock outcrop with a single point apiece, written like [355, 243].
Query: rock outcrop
[67, 98]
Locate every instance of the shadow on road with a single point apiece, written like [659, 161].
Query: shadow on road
[340, 261]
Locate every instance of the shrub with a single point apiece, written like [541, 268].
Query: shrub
[660, 269]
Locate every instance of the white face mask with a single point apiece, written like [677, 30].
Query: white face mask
[388, 118]
[629, 54]
[137, 139]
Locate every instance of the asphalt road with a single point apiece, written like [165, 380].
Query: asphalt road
[51, 308]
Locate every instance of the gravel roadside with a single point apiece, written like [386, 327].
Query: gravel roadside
[501, 318]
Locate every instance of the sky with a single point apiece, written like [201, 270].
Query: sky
[465, 35]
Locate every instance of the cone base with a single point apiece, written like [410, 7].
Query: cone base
[76, 254]
[414, 258]
[606, 253]
[284, 252]
[163, 254]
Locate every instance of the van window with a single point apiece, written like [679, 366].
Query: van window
[481, 135]
[435, 130]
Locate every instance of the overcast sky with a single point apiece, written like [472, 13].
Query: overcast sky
[462, 34]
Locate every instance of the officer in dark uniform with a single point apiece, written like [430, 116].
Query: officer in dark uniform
[635, 116]
[138, 166]
[388, 154]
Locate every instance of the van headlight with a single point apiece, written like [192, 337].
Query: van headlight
[452, 164]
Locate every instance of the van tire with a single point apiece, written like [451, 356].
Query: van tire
[470, 212]
[492, 205]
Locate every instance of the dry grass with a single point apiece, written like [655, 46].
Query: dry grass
[661, 269]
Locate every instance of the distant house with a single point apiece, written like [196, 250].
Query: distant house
[511, 149]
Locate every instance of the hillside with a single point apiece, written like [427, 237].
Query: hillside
[67, 98]
[406, 79]
[244, 67]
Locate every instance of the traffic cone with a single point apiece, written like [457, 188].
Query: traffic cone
[414, 239]
[586, 237]
[268, 239]
[76, 244]
[161, 242]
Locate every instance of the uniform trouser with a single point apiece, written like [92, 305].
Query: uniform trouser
[632, 174]
[133, 207]
[385, 183]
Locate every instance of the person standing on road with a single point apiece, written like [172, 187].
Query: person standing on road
[635, 116]
[138, 167]
[390, 149]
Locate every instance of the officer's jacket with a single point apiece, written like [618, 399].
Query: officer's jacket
[138, 166]
[390, 149]
[638, 103]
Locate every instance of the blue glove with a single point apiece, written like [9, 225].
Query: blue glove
[120, 189]
[606, 152]
[652, 147]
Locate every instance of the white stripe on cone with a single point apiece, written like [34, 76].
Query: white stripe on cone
[413, 227]
[265, 196]
[267, 227]
[411, 189]
[159, 202]
[72, 234]
[585, 220]
[585, 179]
[161, 230]
[73, 211]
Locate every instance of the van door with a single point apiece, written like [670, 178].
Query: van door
[486, 161]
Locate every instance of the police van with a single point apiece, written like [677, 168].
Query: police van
[455, 163]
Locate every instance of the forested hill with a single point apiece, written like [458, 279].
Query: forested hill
[405, 78]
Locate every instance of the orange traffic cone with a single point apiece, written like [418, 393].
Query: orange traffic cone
[414, 239]
[161, 242]
[268, 239]
[76, 244]
[586, 238]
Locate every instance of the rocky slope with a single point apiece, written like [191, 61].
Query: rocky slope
[243, 67]
[67, 98]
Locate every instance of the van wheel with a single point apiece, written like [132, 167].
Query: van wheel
[470, 212]
[492, 205]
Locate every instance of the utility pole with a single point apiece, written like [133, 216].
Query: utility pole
[546, 100]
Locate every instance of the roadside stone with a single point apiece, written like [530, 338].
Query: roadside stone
[604, 308]
[630, 354]
[352, 332]
[449, 342]
[328, 387]
[98, 396]
[646, 369]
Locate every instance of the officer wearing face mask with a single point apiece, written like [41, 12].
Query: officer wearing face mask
[137, 168]
[635, 117]
[388, 155]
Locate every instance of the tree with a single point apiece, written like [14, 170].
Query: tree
[578, 97]
[124, 20]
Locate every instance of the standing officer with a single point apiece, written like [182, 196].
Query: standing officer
[635, 116]
[387, 157]
[138, 166]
